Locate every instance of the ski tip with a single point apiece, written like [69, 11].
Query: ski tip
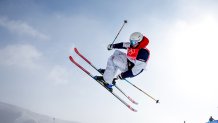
[157, 101]
[71, 58]
[75, 49]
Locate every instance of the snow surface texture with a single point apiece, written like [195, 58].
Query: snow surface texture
[13, 114]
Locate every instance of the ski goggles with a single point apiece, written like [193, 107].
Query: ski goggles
[133, 42]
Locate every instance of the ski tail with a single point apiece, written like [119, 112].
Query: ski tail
[87, 72]
[84, 58]
[128, 97]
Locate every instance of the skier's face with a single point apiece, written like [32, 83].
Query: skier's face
[134, 43]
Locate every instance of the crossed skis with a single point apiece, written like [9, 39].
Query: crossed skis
[92, 76]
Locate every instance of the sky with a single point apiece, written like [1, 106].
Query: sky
[37, 37]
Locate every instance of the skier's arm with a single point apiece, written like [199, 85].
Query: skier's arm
[137, 69]
[123, 45]
[137, 66]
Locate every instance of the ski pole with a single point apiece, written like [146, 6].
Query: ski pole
[125, 21]
[157, 101]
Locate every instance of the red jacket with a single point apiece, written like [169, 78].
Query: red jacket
[133, 52]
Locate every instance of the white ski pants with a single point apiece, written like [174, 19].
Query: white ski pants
[117, 61]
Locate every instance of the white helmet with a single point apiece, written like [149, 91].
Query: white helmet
[135, 38]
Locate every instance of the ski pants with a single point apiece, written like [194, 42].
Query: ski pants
[117, 61]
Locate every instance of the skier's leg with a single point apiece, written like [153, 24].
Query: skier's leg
[117, 61]
[110, 70]
[120, 60]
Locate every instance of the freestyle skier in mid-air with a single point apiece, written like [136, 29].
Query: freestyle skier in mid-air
[130, 64]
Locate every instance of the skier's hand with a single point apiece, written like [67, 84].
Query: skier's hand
[114, 82]
[119, 77]
[110, 47]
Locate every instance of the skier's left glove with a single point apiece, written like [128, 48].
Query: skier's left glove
[110, 47]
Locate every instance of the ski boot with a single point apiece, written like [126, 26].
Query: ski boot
[101, 71]
[101, 79]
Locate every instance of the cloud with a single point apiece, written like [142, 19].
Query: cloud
[20, 56]
[22, 28]
[59, 75]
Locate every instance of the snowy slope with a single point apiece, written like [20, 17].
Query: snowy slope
[13, 114]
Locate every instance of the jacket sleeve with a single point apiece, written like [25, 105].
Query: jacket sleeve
[122, 45]
[137, 69]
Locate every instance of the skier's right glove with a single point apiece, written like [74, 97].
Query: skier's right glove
[114, 82]
[110, 47]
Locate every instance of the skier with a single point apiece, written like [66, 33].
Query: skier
[211, 119]
[130, 64]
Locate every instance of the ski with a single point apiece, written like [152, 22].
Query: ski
[84, 58]
[88, 73]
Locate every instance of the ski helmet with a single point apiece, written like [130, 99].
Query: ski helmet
[135, 38]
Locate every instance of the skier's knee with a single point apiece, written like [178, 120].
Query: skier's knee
[116, 52]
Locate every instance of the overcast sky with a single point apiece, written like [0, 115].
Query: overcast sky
[36, 38]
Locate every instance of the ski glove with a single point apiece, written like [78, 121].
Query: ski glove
[110, 47]
[119, 77]
[114, 82]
